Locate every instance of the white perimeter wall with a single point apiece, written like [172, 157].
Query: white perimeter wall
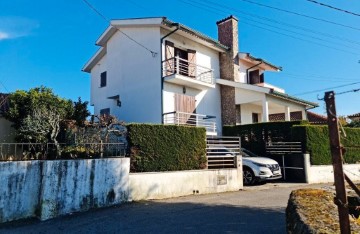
[47, 189]
[144, 186]
[325, 173]
[133, 74]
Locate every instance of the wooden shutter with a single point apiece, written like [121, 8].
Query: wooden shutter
[185, 103]
[169, 58]
[192, 63]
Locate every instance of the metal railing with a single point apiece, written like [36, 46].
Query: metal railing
[190, 119]
[221, 152]
[183, 67]
[38, 151]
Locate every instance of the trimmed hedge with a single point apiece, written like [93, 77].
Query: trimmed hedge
[166, 147]
[255, 136]
[315, 140]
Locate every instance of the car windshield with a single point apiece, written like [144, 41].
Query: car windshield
[247, 153]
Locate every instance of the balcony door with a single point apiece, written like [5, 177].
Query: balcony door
[183, 68]
[186, 105]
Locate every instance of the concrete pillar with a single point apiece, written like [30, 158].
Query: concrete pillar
[287, 113]
[265, 112]
[303, 115]
[307, 166]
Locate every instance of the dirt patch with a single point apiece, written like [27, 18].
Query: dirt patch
[314, 211]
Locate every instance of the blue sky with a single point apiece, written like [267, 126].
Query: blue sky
[47, 42]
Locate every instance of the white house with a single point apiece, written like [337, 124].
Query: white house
[153, 70]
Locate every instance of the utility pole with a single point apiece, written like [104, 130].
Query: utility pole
[336, 153]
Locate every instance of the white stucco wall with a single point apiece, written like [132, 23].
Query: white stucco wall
[325, 173]
[7, 133]
[20, 190]
[160, 185]
[246, 113]
[133, 74]
[48, 189]
[208, 102]
[78, 185]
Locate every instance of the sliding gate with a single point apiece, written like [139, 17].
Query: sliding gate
[221, 151]
[290, 157]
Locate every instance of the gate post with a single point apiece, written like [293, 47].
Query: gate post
[307, 167]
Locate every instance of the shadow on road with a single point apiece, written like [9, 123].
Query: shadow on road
[160, 217]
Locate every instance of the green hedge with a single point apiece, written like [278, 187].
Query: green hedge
[166, 147]
[255, 136]
[316, 142]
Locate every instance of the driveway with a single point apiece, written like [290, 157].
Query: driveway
[256, 209]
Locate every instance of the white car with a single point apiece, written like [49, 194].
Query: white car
[256, 169]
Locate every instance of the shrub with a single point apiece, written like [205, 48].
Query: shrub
[166, 147]
[316, 142]
[255, 136]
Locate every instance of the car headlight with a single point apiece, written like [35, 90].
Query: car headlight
[262, 165]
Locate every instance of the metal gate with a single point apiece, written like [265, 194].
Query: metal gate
[221, 151]
[290, 157]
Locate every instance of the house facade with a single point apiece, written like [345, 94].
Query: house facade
[173, 74]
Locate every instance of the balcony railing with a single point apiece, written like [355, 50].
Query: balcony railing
[190, 119]
[179, 66]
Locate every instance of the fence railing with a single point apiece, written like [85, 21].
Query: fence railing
[38, 151]
[183, 67]
[221, 152]
[190, 119]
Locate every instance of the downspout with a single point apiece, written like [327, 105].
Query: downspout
[162, 77]
[247, 71]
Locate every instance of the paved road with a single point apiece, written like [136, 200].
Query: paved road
[256, 209]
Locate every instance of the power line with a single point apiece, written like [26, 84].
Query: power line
[211, 9]
[282, 23]
[153, 53]
[334, 8]
[349, 91]
[319, 90]
[302, 15]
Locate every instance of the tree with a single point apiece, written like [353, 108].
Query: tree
[36, 114]
[80, 112]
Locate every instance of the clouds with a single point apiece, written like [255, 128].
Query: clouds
[12, 27]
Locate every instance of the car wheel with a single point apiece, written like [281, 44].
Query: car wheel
[248, 176]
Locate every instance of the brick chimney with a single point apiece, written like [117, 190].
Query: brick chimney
[228, 35]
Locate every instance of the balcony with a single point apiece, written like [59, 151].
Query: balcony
[266, 85]
[190, 119]
[182, 72]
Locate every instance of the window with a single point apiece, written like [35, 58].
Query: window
[105, 112]
[103, 79]
[255, 117]
[254, 77]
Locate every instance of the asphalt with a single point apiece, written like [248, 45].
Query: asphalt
[256, 209]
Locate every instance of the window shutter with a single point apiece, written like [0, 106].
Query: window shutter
[169, 58]
[192, 62]
[103, 79]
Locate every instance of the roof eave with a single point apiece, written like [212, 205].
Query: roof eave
[94, 60]
[252, 58]
[294, 99]
[186, 29]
